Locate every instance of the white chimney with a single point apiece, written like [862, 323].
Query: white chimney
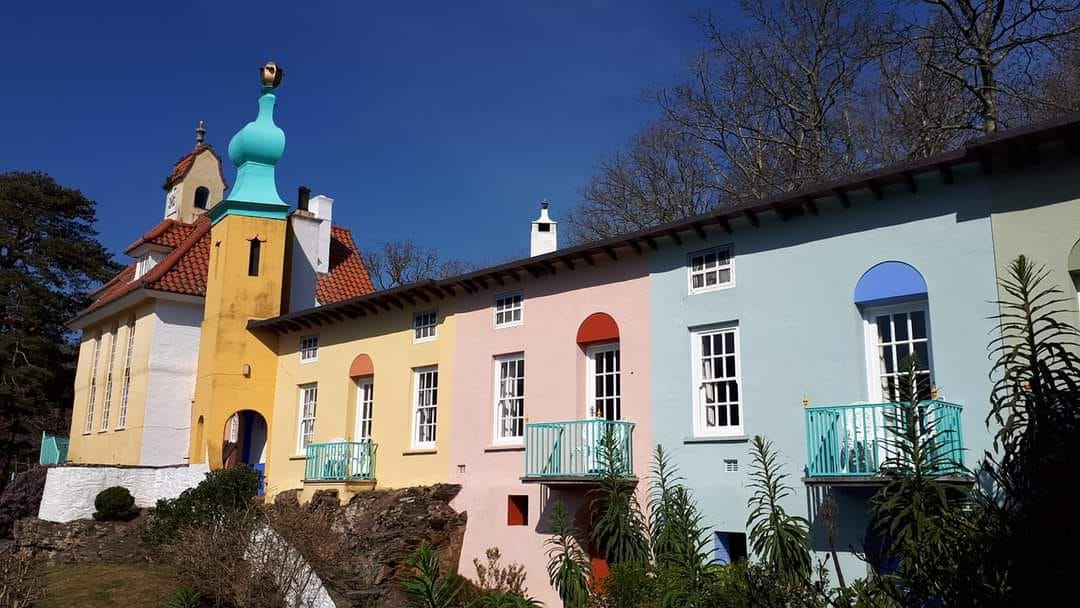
[544, 233]
[310, 232]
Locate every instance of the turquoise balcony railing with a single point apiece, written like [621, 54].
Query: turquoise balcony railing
[855, 440]
[54, 449]
[575, 449]
[340, 461]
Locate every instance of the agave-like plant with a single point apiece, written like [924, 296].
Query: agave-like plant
[618, 526]
[569, 569]
[781, 539]
[426, 586]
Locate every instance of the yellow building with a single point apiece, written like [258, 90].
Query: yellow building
[363, 398]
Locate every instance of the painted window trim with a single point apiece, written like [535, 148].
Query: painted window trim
[434, 325]
[697, 383]
[361, 394]
[301, 448]
[125, 390]
[88, 425]
[496, 411]
[414, 443]
[301, 349]
[106, 404]
[590, 373]
[691, 290]
[495, 310]
[870, 344]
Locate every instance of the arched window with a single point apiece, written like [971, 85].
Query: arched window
[598, 334]
[892, 297]
[362, 371]
[202, 196]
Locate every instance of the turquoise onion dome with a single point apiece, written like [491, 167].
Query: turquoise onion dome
[257, 148]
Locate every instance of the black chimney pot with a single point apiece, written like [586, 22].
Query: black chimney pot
[303, 195]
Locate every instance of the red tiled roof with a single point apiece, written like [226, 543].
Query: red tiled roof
[182, 166]
[348, 277]
[184, 269]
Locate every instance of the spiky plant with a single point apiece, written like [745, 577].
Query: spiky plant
[425, 585]
[780, 539]
[569, 569]
[504, 599]
[618, 526]
[664, 479]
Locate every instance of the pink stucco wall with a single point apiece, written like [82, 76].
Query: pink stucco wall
[554, 307]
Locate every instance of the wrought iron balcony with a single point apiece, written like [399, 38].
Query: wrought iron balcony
[340, 461]
[852, 442]
[576, 450]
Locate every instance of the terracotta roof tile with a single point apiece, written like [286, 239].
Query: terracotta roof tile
[348, 277]
[184, 270]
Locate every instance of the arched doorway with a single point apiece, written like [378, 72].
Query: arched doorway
[244, 442]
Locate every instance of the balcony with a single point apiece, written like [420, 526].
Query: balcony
[572, 452]
[847, 444]
[54, 449]
[340, 461]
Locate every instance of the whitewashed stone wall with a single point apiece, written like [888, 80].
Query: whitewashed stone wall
[70, 491]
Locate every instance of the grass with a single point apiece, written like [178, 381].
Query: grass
[105, 585]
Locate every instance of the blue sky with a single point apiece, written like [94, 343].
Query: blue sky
[444, 122]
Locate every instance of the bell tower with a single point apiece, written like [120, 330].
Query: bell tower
[196, 181]
[237, 368]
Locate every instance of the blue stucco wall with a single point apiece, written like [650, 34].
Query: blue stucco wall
[801, 333]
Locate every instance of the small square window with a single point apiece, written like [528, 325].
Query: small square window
[517, 510]
[309, 348]
[508, 310]
[711, 269]
[424, 325]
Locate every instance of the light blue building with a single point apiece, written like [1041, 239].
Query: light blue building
[764, 315]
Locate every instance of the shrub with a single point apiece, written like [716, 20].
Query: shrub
[222, 493]
[493, 576]
[426, 585]
[20, 586]
[114, 504]
[21, 498]
[185, 598]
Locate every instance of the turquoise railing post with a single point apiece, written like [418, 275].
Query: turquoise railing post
[573, 448]
[340, 461]
[853, 440]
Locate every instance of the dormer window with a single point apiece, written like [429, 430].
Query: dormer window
[145, 262]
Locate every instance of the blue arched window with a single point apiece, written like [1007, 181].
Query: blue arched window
[892, 297]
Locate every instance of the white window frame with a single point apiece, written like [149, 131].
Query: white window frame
[870, 336]
[106, 405]
[701, 429]
[125, 387]
[415, 441]
[91, 398]
[509, 310]
[590, 379]
[420, 331]
[365, 409]
[305, 424]
[729, 266]
[498, 397]
[308, 348]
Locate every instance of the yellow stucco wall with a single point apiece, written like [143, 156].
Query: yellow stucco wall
[232, 298]
[387, 339]
[116, 445]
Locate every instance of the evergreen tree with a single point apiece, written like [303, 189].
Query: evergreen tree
[49, 257]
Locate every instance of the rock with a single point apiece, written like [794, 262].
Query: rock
[83, 540]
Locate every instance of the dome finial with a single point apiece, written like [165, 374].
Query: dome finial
[200, 133]
[271, 75]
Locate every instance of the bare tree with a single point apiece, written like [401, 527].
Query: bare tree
[782, 104]
[992, 49]
[395, 263]
[663, 175]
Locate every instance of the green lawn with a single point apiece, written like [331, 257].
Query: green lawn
[104, 585]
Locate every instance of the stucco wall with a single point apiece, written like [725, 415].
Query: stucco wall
[553, 309]
[1037, 214]
[171, 383]
[116, 445]
[70, 491]
[387, 339]
[801, 334]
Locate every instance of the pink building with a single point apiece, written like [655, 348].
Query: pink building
[559, 347]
